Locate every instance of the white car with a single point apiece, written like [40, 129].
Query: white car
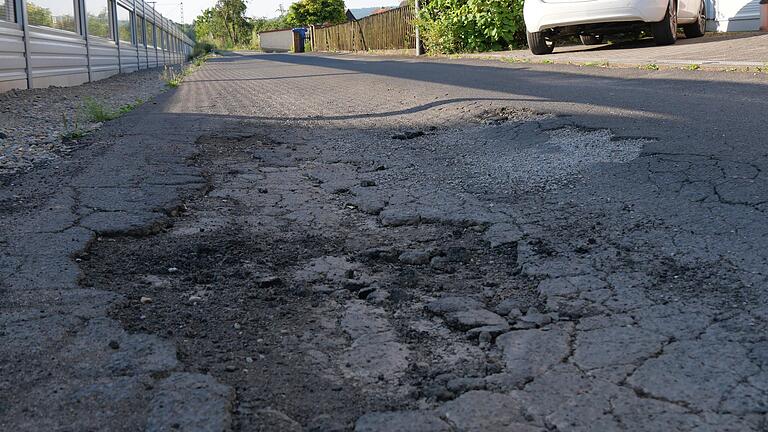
[549, 20]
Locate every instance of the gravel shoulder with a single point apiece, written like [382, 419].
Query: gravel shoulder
[35, 124]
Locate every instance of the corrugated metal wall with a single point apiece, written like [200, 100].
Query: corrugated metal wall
[38, 56]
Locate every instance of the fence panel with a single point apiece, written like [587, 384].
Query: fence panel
[388, 30]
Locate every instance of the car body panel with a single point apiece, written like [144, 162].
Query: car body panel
[542, 15]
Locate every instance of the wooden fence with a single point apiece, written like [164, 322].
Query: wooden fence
[388, 30]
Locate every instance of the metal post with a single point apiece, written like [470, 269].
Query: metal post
[764, 15]
[21, 7]
[84, 26]
[418, 32]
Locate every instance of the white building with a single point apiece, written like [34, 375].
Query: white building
[733, 15]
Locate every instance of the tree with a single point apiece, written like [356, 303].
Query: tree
[224, 25]
[232, 13]
[38, 15]
[315, 12]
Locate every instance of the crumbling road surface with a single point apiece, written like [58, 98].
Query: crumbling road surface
[332, 243]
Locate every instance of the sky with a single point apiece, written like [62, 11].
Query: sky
[257, 8]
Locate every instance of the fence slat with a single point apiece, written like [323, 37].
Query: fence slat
[388, 30]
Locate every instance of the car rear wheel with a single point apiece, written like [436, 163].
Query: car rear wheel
[698, 28]
[540, 44]
[665, 31]
[591, 39]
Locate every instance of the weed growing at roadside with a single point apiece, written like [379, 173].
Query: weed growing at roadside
[650, 67]
[174, 78]
[171, 77]
[72, 129]
[96, 111]
[596, 64]
[693, 67]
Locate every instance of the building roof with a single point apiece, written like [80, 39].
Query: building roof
[361, 13]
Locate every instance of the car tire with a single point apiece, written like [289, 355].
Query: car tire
[591, 39]
[665, 31]
[698, 28]
[539, 44]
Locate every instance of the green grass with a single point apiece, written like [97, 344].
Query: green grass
[602, 64]
[173, 78]
[97, 112]
[693, 67]
[650, 67]
[72, 130]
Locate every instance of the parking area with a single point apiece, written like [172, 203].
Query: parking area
[719, 51]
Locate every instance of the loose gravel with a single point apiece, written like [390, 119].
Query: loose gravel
[35, 125]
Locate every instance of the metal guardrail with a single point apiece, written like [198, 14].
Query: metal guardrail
[41, 51]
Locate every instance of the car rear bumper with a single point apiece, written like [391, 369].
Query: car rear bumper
[542, 15]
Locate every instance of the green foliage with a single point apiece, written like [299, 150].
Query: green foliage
[95, 111]
[451, 26]
[316, 12]
[72, 130]
[39, 15]
[224, 25]
[650, 67]
[202, 48]
[98, 24]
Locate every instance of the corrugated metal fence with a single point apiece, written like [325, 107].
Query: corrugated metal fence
[69, 42]
[388, 30]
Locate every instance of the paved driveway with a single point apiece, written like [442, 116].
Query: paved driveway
[734, 50]
[291, 242]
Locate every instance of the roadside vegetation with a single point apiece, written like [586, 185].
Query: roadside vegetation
[225, 26]
[456, 26]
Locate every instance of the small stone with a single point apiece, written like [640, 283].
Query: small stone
[269, 281]
[237, 326]
[172, 270]
[415, 257]
[491, 331]
[442, 264]
[463, 385]
[467, 320]
[146, 300]
[396, 218]
[263, 190]
[114, 345]
[378, 296]
[195, 298]
[230, 368]
[3, 135]
[367, 183]
[514, 314]
[354, 285]
[535, 317]
[453, 304]
[457, 254]
[249, 359]
[508, 305]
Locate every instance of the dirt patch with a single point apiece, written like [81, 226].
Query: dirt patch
[266, 282]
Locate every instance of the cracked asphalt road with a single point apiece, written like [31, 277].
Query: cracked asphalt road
[378, 244]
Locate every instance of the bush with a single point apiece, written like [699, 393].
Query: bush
[452, 26]
[201, 49]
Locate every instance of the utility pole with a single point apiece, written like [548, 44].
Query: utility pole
[418, 33]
